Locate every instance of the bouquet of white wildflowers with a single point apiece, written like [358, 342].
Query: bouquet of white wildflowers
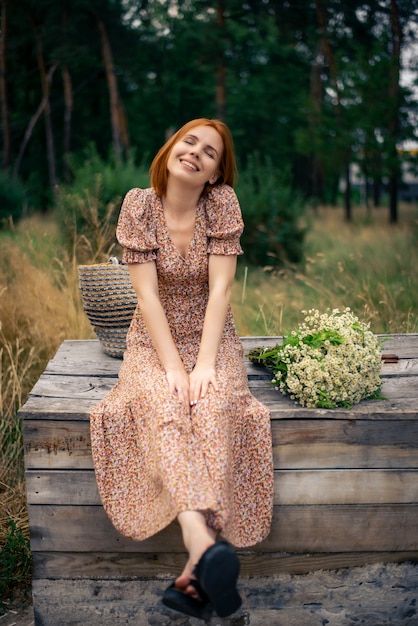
[331, 360]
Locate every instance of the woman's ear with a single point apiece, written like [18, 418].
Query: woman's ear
[214, 178]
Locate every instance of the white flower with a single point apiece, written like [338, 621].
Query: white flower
[331, 359]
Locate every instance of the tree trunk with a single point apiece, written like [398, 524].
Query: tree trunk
[314, 121]
[394, 102]
[377, 186]
[123, 123]
[329, 55]
[32, 123]
[115, 114]
[50, 149]
[220, 63]
[393, 187]
[366, 190]
[347, 192]
[68, 111]
[5, 119]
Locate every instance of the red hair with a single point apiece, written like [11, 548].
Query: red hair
[227, 164]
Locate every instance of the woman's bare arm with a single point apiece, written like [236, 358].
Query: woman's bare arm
[222, 270]
[145, 282]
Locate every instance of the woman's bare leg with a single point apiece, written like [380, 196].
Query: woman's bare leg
[197, 538]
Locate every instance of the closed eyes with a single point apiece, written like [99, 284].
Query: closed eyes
[191, 140]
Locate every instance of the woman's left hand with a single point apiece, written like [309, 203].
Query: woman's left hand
[200, 378]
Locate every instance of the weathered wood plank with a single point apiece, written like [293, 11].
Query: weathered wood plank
[90, 565]
[393, 388]
[281, 408]
[88, 357]
[74, 387]
[61, 487]
[74, 356]
[346, 487]
[350, 431]
[343, 528]
[297, 529]
[77, 389]
[400, 387]
[403, 367]
[57, 444]
[297, 444]
[291, 487]
[309, 444]
[52, 409]
[88, 529]
[94, 387]
[74, 352]
[403, 345]
[320, 456]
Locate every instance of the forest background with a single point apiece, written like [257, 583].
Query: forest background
[313, 91]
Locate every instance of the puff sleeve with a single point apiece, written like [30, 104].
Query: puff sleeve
[136, 230]
[225, 223]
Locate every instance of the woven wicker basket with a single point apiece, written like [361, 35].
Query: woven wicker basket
[109, 302]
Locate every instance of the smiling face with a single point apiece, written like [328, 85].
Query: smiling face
[195, 157]
[220, 139]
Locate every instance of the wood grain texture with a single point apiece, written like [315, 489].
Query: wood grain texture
[297, 444]
[80, 374]
[94, 387]
[298, 529]
[50, 408]
[291, 487]
[122, 565]
[74, 356]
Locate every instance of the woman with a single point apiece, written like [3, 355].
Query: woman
[180, 436]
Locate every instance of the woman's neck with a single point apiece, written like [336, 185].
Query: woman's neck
[179, 199]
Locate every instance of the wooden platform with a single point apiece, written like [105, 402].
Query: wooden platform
[346, 486]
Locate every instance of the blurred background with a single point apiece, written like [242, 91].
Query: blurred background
[322, 99]
[324, 90]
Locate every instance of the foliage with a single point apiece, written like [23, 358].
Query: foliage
[332, 359]
[15, 562]
[89, 205]
[15, 365]
[310, 86]
[12, 199]
[272, 213]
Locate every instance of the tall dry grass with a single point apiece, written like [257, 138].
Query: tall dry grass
[367, 265]
[39, 307]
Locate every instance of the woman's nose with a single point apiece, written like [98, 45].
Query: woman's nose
[194, 151]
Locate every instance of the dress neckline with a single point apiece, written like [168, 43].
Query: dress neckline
[167, 231]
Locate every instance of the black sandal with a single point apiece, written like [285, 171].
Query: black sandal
[217, 574]
[184, 603]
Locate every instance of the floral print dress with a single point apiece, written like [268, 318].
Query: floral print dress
[153, 456]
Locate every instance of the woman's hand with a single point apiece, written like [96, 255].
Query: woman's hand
[221, 276]
[179, 384]
[201, 377]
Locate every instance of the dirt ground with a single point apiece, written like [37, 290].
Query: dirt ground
[19, 613]
[374, 595]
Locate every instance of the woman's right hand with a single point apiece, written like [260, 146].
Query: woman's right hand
[178, 384]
